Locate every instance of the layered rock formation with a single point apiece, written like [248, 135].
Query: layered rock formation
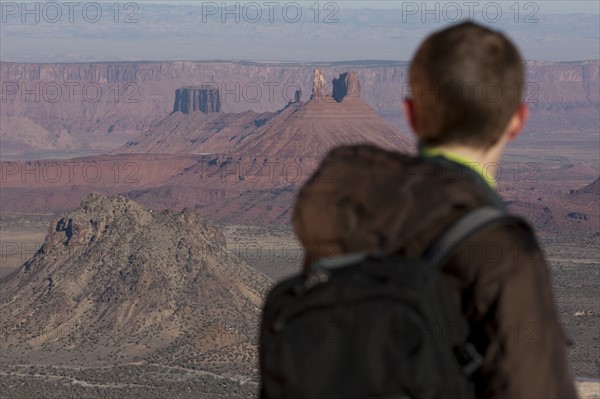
[307, 131]
[219, 163]
[297, 131]
[205, 98]
[225, 163]
[318, 86]
[259, 176]
[346, 85]
[132, 97]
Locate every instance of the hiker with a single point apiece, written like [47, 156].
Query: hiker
[510, 302]
[467, 84]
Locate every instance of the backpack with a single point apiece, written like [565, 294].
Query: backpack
[368, 326]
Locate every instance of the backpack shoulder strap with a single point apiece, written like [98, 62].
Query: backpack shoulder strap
[473, 222]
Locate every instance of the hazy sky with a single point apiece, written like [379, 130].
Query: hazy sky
[546, 30]
[545, 6]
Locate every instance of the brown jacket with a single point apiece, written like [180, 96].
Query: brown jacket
[365, 198]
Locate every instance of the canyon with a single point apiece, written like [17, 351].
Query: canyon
[236, 140]
[98, 107]
[143, 168]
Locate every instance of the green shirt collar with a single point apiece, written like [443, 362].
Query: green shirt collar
[460, 159]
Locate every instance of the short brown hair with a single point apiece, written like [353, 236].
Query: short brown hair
[466, 82]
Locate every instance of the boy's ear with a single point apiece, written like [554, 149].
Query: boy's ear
[517, 122]
[409, 112]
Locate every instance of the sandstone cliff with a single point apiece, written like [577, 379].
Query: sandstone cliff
[204, 98]
[346, 85]
[132, 97]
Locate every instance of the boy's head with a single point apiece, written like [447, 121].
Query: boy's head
[467, 84]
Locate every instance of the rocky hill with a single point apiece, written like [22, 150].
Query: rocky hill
[117, 283]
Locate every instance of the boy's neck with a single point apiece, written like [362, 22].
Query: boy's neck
[481, 156]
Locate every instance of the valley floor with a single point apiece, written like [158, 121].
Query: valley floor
[274, 251]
